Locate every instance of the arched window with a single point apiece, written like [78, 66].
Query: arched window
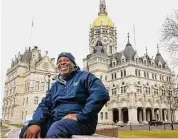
[123, 88]
[123, 60]
[139, 87]
[114, 90]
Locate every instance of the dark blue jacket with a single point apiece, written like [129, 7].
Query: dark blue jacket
[82, 93]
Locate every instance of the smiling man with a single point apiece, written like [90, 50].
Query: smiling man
[71, 106]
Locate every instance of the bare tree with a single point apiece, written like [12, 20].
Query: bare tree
[169, 36]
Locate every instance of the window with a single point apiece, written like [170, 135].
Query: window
[123, 61]
[27, 100]
[114, 91]
[124, 72]
[27, 86]
[37, 85]
[123, 88]
[106, 115]
[147, 90]
[139, 89]
[42, 86]
[160, 66]
[113, 63]
[147, 75]
[153, 76]
[101, 115]
[106, 104]
[155, 91]
[121, 73]
[163, 92]
[106, 78]
[144, 74]
[115, 75]
[136, 72]
[36, 100]
[160, 77]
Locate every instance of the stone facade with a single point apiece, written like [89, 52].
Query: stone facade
[26, 84]
[139, 86]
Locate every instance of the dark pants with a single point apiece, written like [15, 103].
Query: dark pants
[64, 128]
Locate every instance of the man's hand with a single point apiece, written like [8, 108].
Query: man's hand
[71, 116]
[33, 131]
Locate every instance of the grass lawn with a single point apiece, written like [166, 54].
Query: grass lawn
[4, 127]
[17, 125]
[3, 135]
[149, 134]
[5, 130]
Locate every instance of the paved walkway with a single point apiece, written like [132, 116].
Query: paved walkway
[14, 131]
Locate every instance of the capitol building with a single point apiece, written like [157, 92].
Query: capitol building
[141, 88]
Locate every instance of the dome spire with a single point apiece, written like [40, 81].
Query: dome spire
[157, 49]
[128, 43]
[102, 7]
[146, 51]
[128, 37]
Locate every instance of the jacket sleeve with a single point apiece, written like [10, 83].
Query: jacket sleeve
[42, 111]
[98, 96]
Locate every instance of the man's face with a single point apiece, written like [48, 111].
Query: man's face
[65, 66]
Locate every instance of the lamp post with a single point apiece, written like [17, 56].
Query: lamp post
[48, 76]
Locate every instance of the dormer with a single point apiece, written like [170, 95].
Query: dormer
[152, 63]
[114, 62]
[123, 59]
[136, 58]
[159, 65]
[144, 60]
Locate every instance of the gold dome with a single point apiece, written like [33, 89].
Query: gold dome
[104, 20]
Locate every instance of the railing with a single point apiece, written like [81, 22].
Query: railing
[113, 131]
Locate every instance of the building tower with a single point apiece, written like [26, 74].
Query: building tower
[103, 29]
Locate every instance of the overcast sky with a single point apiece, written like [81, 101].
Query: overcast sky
[63, 25]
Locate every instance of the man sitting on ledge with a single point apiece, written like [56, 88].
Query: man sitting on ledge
[71, 106]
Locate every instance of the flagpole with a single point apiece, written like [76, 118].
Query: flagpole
[31, 31]
[134, 37]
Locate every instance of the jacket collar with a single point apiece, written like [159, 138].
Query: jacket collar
[64, 81]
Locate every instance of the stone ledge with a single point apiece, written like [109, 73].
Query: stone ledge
[91, 136]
